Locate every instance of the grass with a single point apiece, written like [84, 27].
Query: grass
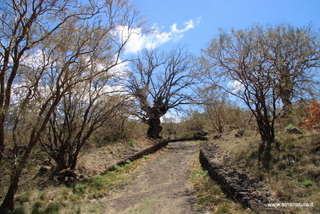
[118, 167]
[82, 197]
[62, 199]
[295, 166]
[294, 177]
[306, 183]
[209, 193]
[52, 208]
[131, 142]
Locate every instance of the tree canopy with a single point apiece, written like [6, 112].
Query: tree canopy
[266, 67]
[160, 82]
[48, 48]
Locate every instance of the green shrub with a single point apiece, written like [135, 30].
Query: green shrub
[306, 183]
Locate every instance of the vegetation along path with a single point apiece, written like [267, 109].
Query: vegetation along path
[160, 186]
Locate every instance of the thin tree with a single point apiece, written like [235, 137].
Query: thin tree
[214, 104]
[249, 64]
[88, 107]
[294, 53]
[22, 29]
[160, 82]
[44, 56]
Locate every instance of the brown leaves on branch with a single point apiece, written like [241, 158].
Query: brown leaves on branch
[313, 122]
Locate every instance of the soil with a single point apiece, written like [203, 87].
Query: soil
[98, 160]
[159, 186]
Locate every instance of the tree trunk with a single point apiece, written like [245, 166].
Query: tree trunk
[265, 147]
[265, 155]
[1, 138]
[154, 128]
[286, 93]
[287, 111]
[266, 130]
[8, 202]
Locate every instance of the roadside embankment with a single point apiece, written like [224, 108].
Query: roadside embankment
[249, 192]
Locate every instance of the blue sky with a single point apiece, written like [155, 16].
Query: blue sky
[195, 22]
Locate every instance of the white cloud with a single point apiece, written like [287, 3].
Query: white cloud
[236, 86]
[138, 40]
[188, 25]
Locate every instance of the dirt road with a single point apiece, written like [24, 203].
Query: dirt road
[160, 186]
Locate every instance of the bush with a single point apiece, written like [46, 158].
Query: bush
[313, 109]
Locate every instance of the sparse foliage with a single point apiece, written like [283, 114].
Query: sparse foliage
[263, 67]
[193, 122]
[215, 108]
[160, 82]
[76, 118]
[47, 49]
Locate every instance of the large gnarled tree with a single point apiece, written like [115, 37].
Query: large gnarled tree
[160, 82]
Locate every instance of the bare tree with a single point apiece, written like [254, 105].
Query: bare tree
[215, 107]
[160, 82]
[294, 53]
[81, 112]
[251, 64]
[22, 29]
[121, 126]
[47, 49]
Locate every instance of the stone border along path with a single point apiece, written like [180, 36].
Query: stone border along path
[235, 184]
[134, 157]
[160, 186]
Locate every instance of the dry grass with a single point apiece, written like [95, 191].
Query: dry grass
[81, 198]
[209, 193]
[295, 173]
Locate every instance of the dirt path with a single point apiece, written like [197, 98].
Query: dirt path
[160, 186]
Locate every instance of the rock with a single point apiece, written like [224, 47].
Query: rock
[200, 135]
[217, 137]
[294, 131]
[234, 183]
[239, 134]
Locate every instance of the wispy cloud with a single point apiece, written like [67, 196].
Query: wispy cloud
[138, 40]
[188, 25]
